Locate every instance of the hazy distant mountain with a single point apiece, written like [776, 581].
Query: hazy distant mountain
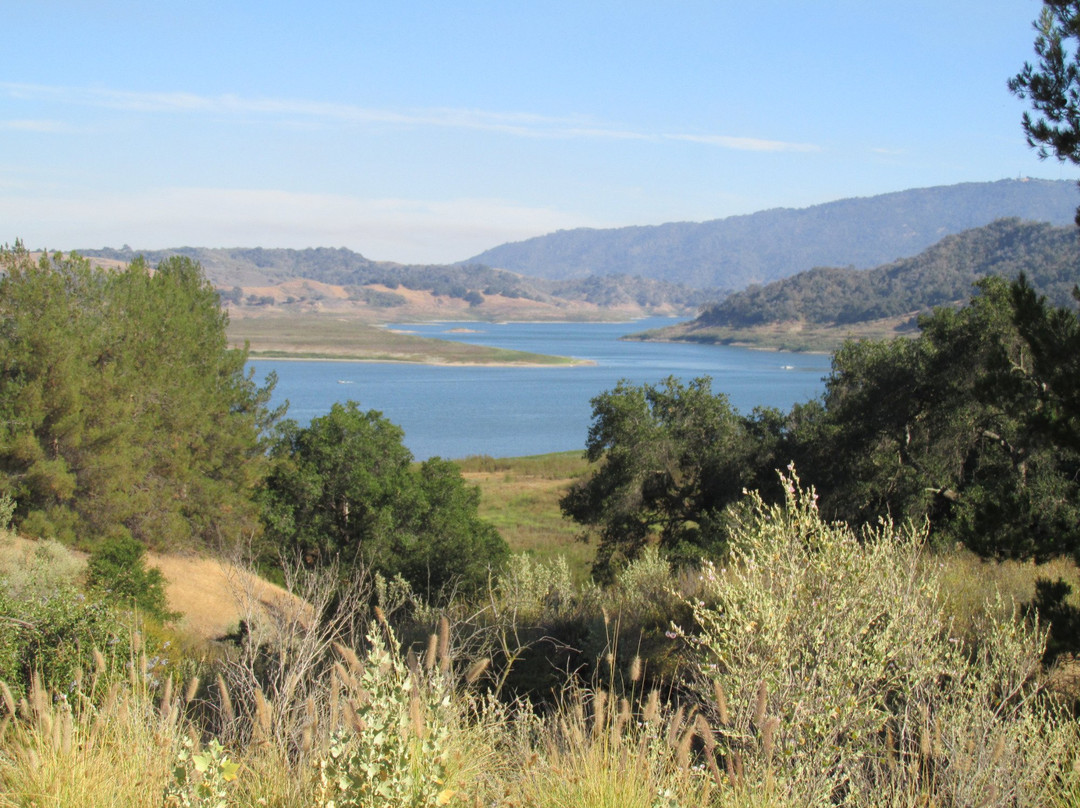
[258, 266]
[734, 252]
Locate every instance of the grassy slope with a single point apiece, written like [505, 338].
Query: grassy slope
[204, 590]
[209, 593]
[520, 496]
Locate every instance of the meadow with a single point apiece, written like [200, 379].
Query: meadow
[520, 496]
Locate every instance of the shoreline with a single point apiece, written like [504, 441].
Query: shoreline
[746, 344]
[299, 357]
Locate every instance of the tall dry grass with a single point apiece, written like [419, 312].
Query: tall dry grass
[108, 743]
[817, 666]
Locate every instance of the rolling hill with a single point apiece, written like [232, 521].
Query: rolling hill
[261, 281]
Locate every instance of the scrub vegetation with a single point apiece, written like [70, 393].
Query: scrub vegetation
[865, 601]
[814, 665]
[442, 635]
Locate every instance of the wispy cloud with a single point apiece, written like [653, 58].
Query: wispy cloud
[33, 126]
[747, 143]
[517, 124]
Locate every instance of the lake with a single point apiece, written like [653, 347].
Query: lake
[454, 412]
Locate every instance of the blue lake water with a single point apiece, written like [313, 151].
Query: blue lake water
[454, 412]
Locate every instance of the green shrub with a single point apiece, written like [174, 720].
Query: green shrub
[7, 510]
[535, 590]
[200, 779]
[117, 569]
[36, 567]
[54, 633]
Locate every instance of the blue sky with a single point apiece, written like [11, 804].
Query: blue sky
[430, 131]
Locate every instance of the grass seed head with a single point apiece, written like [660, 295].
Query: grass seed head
[760, 704]
[705, 732]
[165, 703]
[674, 726]
[768, 738]
[263, 716]
[416, 713]
[227, 709]
[721, 703]
[476, 670]
[9, 700]
[652, 707]
[599, 710]
[191, 689]
[682, 750]
[431, 656]
[350, 657]
[444, 637]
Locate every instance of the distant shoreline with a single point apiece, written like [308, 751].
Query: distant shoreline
[314, 357]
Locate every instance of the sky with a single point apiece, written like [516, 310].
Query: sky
[427, 132]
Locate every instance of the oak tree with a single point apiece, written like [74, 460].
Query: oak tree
[345, 489]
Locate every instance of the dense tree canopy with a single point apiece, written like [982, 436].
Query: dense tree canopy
[671, 456]
[946, 427]
[973, 425]
[122, 409]
[345, 488]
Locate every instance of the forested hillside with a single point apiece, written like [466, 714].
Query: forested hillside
[941, 275]
[731, 253]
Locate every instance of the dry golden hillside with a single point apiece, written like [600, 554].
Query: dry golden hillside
[213, 595]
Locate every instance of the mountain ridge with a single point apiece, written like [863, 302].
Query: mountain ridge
[810, 305]
[731, 253]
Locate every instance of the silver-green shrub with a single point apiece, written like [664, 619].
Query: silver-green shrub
[833, 677]
[532, 590]
[646, 585]
[396, 746]
[200, 779]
